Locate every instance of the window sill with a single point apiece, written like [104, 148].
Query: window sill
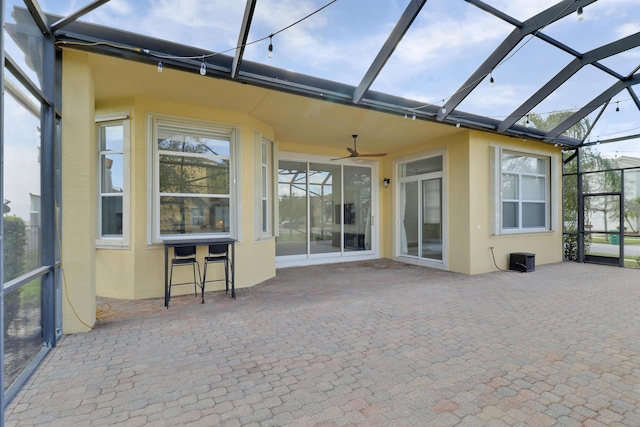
[112, 244]
[522, 232]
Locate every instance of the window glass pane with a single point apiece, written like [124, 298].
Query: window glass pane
[509, 186]
[265, 218]
[509, 214]
[522, 164]
[211, 215]
[422, 166]
[533, 188]
[112, 215]
[192, 142]
[533, 215]
[22, 329]
[21, 181]
[264, 182]
[193, 175]
[112, 173]
[111, 137]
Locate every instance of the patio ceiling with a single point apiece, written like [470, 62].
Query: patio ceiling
[475, 64]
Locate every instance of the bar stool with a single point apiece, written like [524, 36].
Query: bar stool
[218, 252]
[185, 256]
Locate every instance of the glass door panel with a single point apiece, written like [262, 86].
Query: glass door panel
[432, 219]
[357, 208]
[292, 204]
[409, 237]
[602, 228]
[324, 194]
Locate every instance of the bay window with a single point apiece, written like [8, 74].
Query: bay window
[193, 178]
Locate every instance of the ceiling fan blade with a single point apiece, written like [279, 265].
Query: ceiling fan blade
[345, 157]
[372, 155]
[352, 151]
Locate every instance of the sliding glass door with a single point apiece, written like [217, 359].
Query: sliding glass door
[324, 210]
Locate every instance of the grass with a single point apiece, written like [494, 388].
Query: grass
[628, 240]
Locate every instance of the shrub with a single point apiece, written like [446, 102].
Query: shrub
[15, 243]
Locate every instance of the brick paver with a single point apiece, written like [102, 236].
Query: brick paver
[367, 343]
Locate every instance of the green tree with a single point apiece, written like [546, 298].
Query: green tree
[590, 160]
[632, 212]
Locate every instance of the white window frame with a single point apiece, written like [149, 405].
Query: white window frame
[153, 170]
[551, 189]
[265, 187]
[110, 241]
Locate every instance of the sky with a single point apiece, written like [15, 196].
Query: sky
[21, 157]
[447, 42]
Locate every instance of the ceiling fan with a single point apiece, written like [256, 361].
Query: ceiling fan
[354, 151]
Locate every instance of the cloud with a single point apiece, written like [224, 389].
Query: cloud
[443, 38]
[523, 9]
[211, 25]
[627, 29]
[62, 8]
[327, 44]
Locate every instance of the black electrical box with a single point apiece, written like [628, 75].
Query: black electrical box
[522, 261]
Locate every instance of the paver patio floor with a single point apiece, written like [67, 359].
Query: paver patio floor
[376, 343]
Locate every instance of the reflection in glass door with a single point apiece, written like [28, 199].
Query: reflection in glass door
[357, 209]
[431, 232]
[292, 203]
[324, 209]
[323, 179]
[421, 234]
[409, 236]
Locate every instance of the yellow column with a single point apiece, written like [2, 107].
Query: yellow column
[79, 184]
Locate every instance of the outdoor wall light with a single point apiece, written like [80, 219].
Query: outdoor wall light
[386, 182]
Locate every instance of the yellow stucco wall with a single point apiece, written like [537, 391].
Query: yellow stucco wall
[137, 271]
[547, 246]
[78, 195]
